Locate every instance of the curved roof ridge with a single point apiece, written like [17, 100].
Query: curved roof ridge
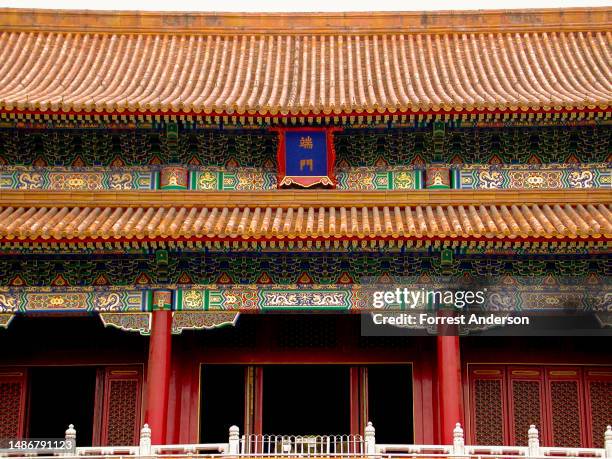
[523, 20]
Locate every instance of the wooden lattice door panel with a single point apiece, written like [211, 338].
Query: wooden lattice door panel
[121, 406]
[565, 407]
[488, 405]
[526, 387]
[598, 384]
[13, 390]
[571, 406]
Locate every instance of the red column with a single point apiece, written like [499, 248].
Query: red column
[449, 386]
[258, 400]
[158, 375]
[354, 400]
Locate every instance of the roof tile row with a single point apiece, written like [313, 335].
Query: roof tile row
[492, 221]
[304, 74]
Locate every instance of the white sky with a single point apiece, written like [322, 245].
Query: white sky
[298, 5]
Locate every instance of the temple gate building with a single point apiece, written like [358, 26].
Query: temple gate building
[193, 205]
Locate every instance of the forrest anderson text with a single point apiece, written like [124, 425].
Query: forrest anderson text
[403, 319]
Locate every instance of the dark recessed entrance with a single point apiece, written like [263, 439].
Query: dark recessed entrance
[306, 399]
[221, 402]
[60, 396]
[390, 402]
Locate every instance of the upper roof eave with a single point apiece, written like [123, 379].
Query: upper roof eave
[527, 20]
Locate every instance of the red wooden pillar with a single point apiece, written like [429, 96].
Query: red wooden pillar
[358, 386]
[258, 401]
[449, 386]
[355, 400]
[158, 366]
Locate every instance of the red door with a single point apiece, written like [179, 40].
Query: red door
[526, 393]
[121, 407]
[570, 405]
[13, 390]
[598, 388]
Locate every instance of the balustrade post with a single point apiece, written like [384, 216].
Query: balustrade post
[533, 441]
[285, 445]
[70, 437]
[234, 441]
[608, 442]
[458, 440]
[369, 438]
[145, 441]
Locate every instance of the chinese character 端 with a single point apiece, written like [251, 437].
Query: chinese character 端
[306, 142]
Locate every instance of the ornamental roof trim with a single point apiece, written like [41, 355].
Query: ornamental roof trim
[286, 198]
[177, 22]
[305, 64]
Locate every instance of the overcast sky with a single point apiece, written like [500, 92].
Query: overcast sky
[295, 5]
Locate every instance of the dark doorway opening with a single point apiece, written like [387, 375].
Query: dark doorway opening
[306, 399]
[60, 396]
[221, 401]
[390, 402]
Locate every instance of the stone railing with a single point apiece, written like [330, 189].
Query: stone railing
[328, 446]
[460, 450]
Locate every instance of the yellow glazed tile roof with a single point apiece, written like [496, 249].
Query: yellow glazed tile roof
[212, 65]
[495, 222]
